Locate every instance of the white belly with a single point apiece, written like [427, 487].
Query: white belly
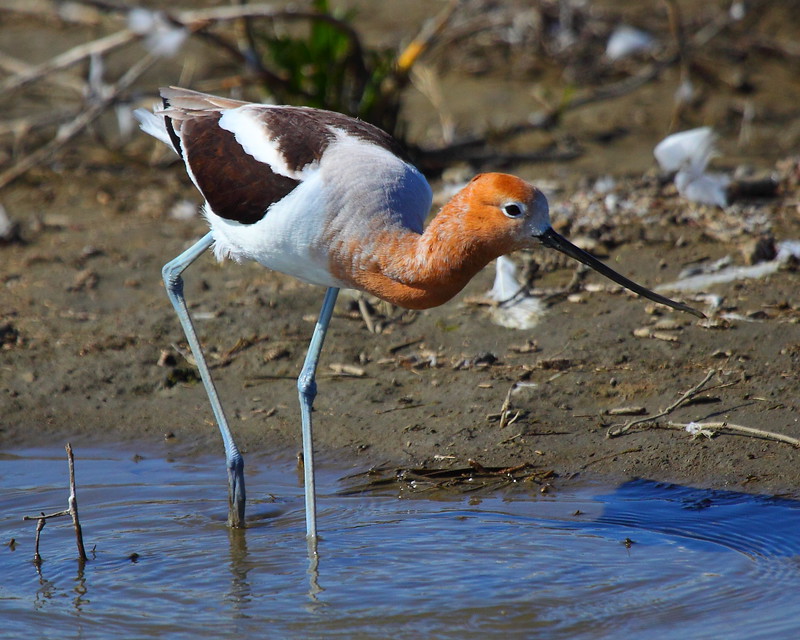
[286, 239]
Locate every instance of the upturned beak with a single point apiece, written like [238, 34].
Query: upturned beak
[558, 242]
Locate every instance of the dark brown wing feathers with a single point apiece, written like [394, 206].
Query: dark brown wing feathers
[236, 185]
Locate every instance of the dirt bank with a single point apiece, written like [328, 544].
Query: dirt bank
[92, 351]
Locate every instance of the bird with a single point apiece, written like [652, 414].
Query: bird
[335, 202]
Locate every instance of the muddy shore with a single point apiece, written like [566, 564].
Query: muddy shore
[92, 351]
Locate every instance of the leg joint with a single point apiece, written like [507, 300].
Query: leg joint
[171, 273]
[307, 385]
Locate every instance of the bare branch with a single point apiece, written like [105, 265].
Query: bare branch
[735, 429]
[69, 58]
[618, 430]
[69, 131]
[18, 67]
[42, 518]
[73, 505]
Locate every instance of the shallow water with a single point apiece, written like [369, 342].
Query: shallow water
[643, 559]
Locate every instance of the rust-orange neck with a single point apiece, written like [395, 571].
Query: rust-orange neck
[422, 271]
[419, 271]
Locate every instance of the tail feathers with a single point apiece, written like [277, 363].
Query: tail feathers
[185, 102]
[179, 105]
[155, 125]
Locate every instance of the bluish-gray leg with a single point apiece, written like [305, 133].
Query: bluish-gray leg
[235, 463]
[307, 386]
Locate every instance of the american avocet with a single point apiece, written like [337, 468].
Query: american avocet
[332, 201]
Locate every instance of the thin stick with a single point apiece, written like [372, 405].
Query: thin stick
[618, 430]
[69, 131]
[20, 126]
[366, 315]
[17, 67]
[69, 58]
[73, 505]
[195, 18]
[505, 410]
[425, 38]
[37, 558]
[704, 428]
[735, 428]
[43, 516]
[72, 502]
[41, 520]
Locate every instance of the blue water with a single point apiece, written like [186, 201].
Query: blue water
[642, 560]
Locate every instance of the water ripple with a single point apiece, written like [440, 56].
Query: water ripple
[643, 559]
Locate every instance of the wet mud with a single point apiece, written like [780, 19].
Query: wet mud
[92, 351]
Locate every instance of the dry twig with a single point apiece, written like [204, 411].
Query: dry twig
[72, 502]
[708, 429]
[68, 58]
[73, 505]
[366, 314]
[505, 410]
[618, 430]
[20, 68]
[711, 428]
[81, 121]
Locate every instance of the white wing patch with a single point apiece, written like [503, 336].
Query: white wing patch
[253, 135]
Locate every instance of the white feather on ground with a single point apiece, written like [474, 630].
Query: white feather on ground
[688, 154]
[722, 271]
[626, 41]
[516, 309]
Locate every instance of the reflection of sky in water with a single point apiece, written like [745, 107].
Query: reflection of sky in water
[701, 564]
[754, 525]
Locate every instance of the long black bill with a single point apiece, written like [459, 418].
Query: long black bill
[558, 242]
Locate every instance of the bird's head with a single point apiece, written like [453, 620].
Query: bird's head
[505, 210]
[513, 214]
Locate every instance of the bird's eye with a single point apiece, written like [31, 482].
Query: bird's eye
[513, 209]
